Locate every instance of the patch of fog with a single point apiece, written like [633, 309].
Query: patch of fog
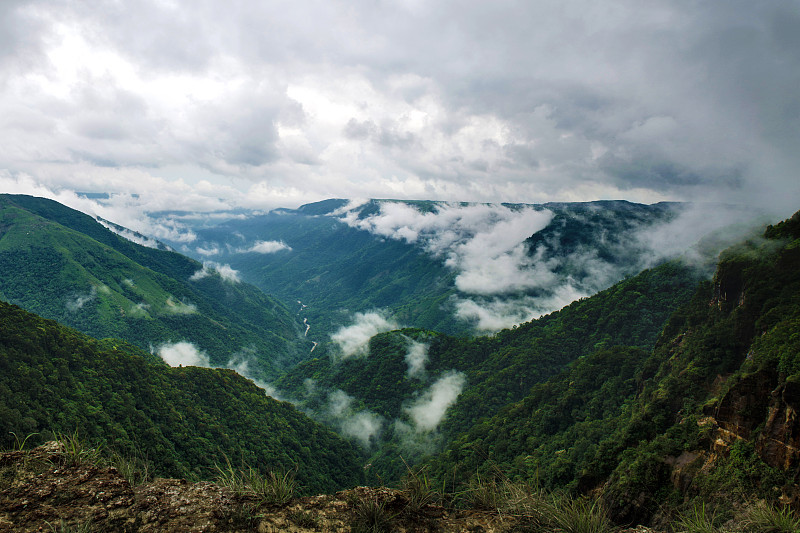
[362, 425]
[175, 307]
[133, 236]
[139, 310]
[210, 267]
[699, 232]
[493, 314]
[416, 358]
[182, 354]
[208, 251]
[428, 410]
[353, 340]
[77, 301]
[266, 247]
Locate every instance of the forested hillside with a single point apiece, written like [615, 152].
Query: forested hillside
[64, 265]
[710, 412]
[495, 370]
[183, 421]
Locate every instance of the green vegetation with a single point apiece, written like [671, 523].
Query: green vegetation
[274, 488]
[502, 369]
[337, 270]
[763, 518]
[371, 516]
[63, 265]
[617, 418]
[56, 381]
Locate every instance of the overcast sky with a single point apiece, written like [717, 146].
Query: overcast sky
[207, 104]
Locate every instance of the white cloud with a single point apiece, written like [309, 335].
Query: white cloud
[266, 247]
[363, 425]
[429, 409]
[695, 223]
[77, 301]
[139, 310]
[175, 307]
[207, 251]
[225, 272]
[416, 357]
[182, 354]
[483, 243]
[354, 339]
[493, 314]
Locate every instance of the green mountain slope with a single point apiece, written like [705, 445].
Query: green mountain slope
[497, 370]
[183, 420]
[708, 412]
[65, 266]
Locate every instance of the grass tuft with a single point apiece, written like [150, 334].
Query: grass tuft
[698, 520]
[305, 519]
[417, 488]
[371, 516]
[763, 518]
[135, 469]
[75, 451]
[273, 488]
[63, 527]
[580, 515]
[19, 444]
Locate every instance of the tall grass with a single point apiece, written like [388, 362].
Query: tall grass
[274, 488]
[76, 451]
[19, 444]
[580, 515]
[698, 520]
[134, 468]
[763, 518]
[417, 487]
[371, 516]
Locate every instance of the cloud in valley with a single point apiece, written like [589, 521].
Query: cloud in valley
[353, 340]
[482, 242]
[182, 354]
[416, 357]
[175, 307]
[429, 409]
[266, 247]
[225, 272]
[363, 425]
[77, 301]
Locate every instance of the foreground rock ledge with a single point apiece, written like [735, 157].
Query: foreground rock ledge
[40, 491]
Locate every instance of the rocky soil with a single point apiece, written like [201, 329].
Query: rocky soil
[49, 488]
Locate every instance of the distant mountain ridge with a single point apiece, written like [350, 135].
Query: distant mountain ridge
[444, 266]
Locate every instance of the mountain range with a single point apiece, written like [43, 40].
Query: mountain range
[645, 387]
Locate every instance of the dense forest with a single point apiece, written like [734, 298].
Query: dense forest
[184, 421]
[664, 390]
[63, 265]
[497, 369]
[718, 390]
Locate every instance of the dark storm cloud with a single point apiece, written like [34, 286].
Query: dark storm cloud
[505, 100]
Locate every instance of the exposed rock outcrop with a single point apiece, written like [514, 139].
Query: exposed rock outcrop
[43, 488]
